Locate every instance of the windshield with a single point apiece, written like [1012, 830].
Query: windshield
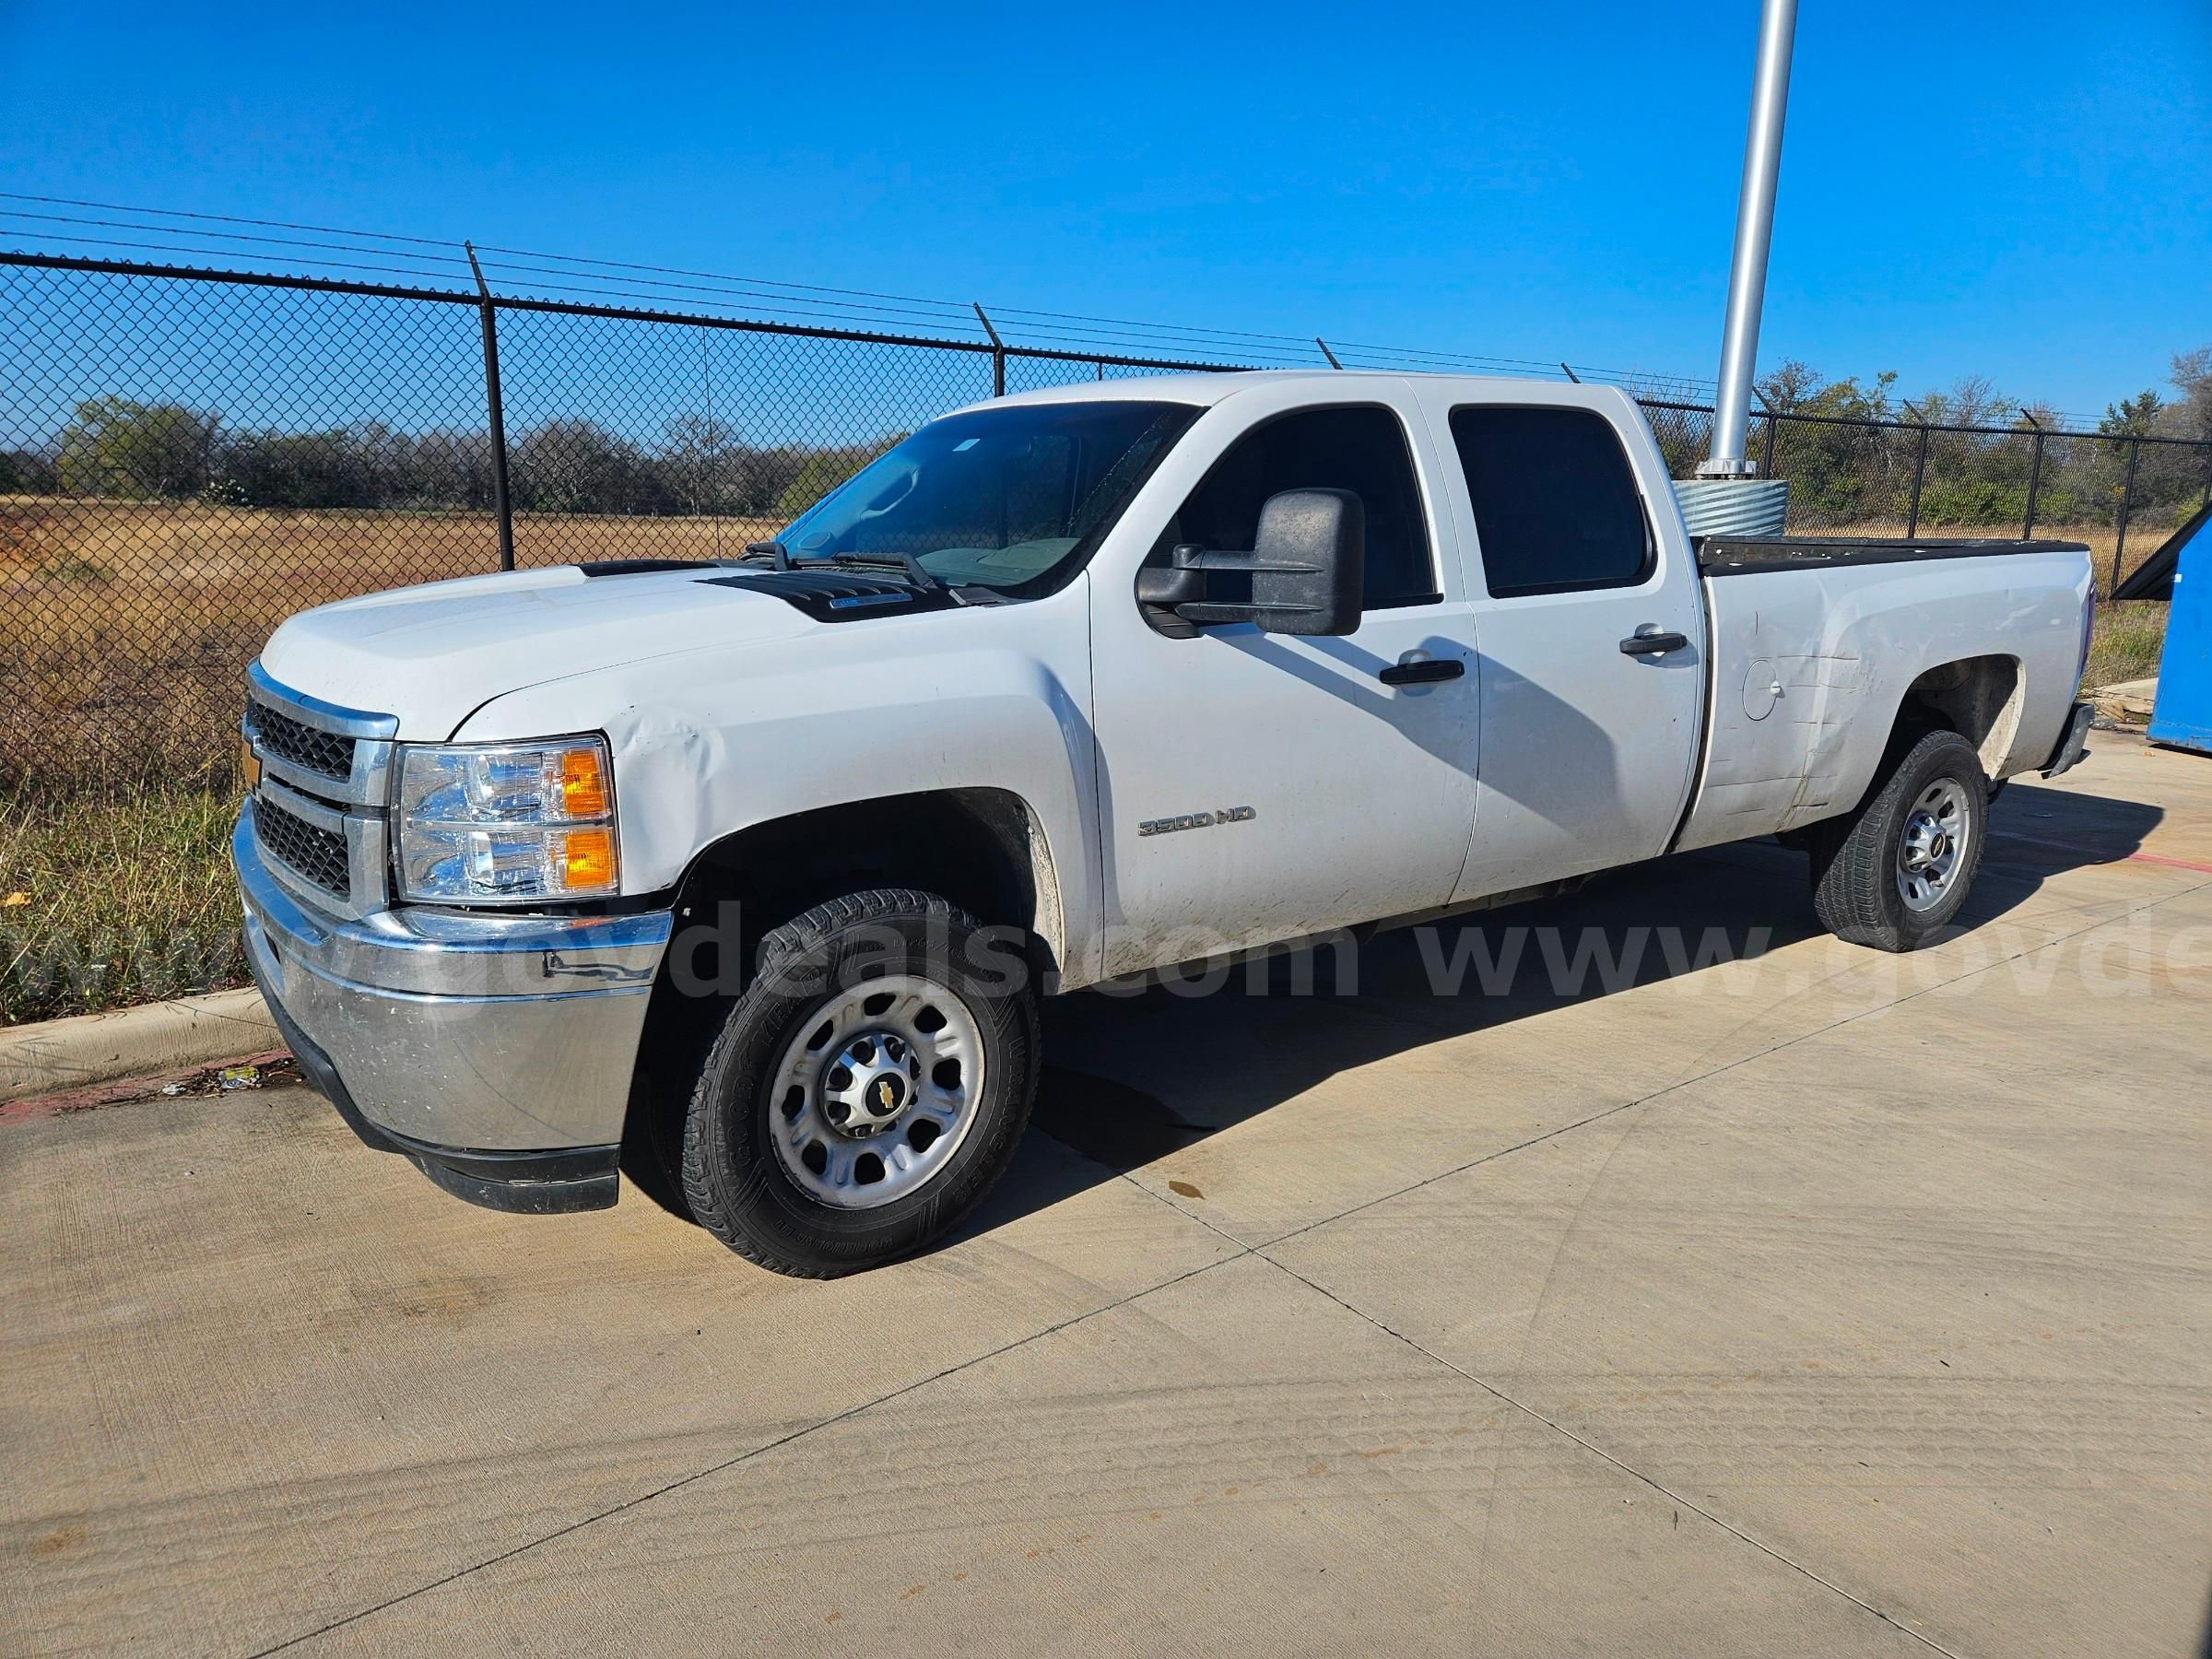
[1009, 499]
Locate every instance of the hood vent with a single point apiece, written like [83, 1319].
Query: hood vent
[838, 595]
[637, 567]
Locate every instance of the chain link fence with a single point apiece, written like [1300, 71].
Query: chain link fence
[187, 457]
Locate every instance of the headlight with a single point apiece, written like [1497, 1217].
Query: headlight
[506, 823]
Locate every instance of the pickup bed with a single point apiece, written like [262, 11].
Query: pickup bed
[761, 865]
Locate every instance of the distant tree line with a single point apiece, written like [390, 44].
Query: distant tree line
[120, 449]
[1848, 472]
[1842, 469]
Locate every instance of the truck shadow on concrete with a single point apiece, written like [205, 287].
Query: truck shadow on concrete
[1130, 1079]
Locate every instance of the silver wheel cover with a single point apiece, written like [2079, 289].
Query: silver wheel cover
[874, 1096]
[1932, 843]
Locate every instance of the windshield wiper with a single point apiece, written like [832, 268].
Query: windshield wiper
[775, 552]
[906, 564]
[888, 560]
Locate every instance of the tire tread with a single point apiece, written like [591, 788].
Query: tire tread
[1855, 890]
[811, 930]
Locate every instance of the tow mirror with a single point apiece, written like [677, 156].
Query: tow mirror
[1305, 571]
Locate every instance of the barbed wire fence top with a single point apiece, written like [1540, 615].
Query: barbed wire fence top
[190, 452]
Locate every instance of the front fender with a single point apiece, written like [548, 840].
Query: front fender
[709, 743]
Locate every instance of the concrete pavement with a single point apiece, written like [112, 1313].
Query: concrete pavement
[1817, 1301]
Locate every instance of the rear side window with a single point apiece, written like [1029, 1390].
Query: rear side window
[1361, 449]
[1556, 502]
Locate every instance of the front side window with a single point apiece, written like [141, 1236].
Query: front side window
[1555, 503]
[1360, 449]
[1011, 498]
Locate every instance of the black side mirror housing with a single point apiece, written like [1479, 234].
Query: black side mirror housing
[1306, 571]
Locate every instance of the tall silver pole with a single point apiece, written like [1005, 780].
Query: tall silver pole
[1754, 233]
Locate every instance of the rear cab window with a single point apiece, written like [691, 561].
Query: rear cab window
[1557, 507]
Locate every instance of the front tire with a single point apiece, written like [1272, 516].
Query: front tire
[1894, 872]
[868, 1089]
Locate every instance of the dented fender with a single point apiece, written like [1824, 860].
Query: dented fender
[711, 740]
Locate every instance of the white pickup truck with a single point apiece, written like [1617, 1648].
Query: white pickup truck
[770, 859]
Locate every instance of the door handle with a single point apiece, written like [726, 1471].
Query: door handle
[1653, 644]
[1410, 670]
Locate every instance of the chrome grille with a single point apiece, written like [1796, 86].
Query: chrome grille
[314, 853]
[323, 775]
[326, 754]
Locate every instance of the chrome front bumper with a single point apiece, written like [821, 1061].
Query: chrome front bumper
[496, 1051]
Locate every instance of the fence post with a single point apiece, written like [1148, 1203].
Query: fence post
[2035, 476]
[998, 353]
[2127, 490]
[1766, 457]
[1920, 471]
[711, 437]
[487, 314]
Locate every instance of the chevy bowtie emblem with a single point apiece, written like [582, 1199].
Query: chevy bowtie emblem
[886, 1096]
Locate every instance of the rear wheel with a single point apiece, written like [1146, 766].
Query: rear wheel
[866, 1089]
[1895, 872]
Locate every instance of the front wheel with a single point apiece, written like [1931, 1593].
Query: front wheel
[866, 1089]
[1892, 873]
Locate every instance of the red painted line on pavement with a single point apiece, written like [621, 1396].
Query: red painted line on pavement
[2171, 864]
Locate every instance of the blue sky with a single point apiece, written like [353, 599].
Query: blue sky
[2020, 190]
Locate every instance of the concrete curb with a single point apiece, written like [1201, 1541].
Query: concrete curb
[62, 1054]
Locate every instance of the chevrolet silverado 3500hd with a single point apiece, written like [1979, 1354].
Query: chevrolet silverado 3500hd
[768, 860]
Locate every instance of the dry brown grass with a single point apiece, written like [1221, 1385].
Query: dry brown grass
[125, 628]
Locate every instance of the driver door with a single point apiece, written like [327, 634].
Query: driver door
[1255, 787]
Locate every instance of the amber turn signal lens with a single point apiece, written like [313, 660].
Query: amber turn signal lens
[584, 792]
[588, 859]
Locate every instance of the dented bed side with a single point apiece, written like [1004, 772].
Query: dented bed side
[1816, 653]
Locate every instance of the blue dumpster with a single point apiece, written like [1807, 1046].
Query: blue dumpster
[2182, 714]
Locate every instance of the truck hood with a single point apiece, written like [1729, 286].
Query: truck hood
[433, 654]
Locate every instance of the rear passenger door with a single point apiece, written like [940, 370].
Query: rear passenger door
[1590, 634]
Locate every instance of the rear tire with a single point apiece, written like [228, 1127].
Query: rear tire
[868, 1089]
[1893, 874]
